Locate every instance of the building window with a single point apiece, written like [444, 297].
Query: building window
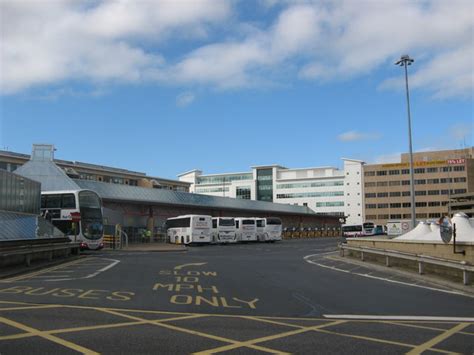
[432, 170]
[369, 173]
[395, 205]
[382, 194]
[311, 194]
[395, 194]
[383, 216]
[460, 191]
[421, 215]
[434, 203]
[382, 205]
[382, 183]
[420, 193]
[394, 183]
[406, 204]
[370, 206]
[304, 185]
[432, 181]
[265, 185]
[381, 172]
[407, 215]
[370, 195]
[406, 182]
[405, 171]
[420, 204]
[243, 192]
[394, 172]
[395, 216]
[445, 169]
[330, 204]
[433, 192]
[420, 182]
[406, 193]
[370, 184]
[420, 171]
[460, 179]
[459, 168]
[434, 215]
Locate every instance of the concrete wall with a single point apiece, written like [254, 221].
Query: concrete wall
[435, 249]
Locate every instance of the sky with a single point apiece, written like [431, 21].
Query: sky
[164, 87]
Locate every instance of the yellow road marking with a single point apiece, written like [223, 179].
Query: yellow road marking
[179, 267]
[257, 319]
[43, 271]
[233, 343]
[189, 331]
[250, 343]
[28, 307]
[438, 339]
[92, 327]
[424, 327]
[71, 330]
[47, 336]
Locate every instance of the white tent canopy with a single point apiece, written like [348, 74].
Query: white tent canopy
[425, 231]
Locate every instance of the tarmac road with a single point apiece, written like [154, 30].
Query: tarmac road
[230, 298]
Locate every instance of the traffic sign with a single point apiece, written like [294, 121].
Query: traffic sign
[445, 229]
[76, 216]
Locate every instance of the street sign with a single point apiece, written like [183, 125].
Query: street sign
[75, 216]
[445, 229]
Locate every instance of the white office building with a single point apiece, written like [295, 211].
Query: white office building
[326, 190]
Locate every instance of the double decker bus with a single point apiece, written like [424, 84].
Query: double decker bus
[224, 230]
[189, 229]
[57, 207]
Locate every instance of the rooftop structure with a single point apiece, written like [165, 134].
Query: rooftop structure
[325, 190]
[439, 175]
[11, 161]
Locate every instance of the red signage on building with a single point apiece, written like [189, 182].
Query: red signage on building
[456, 161]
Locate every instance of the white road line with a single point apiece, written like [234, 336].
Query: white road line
[402, 318]
[459, 293]
[114, 262]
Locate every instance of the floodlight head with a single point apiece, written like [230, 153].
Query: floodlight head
[404, 60]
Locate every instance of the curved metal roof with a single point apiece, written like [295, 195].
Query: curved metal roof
[136, 194]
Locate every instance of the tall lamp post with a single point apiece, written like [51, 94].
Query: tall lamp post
[405, 61]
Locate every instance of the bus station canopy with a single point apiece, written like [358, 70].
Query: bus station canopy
[126, 193]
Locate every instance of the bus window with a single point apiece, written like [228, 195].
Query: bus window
[68, 201]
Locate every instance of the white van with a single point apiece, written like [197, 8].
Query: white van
[246, 229]
[189, 229]
[224, 230]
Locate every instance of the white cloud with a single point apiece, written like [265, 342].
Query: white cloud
[185, 99]
[352, 136]
[52, 41]
[461, 132]
[108, 41]
[388, 158]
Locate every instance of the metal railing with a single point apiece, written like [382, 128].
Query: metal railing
[466, 268]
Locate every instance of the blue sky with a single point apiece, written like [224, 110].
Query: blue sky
[164, 87]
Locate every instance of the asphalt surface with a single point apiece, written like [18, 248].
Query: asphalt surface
[289, 297]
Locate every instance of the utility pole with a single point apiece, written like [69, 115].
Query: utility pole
[405, 61]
